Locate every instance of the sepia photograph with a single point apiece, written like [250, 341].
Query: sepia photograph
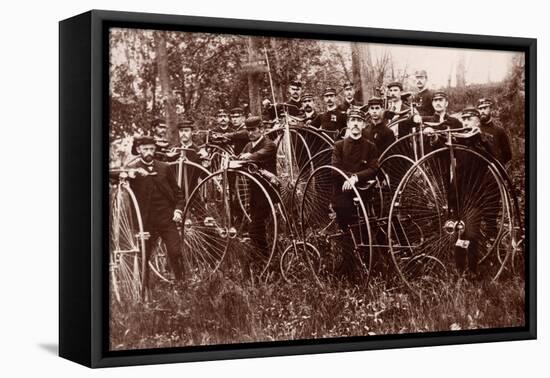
[269, 189]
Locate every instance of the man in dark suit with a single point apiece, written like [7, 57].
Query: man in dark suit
[494, 135]
[377, 130]
[187, 176]
[440, 104]
[160, 202]
[292, 106]
[262, 152]
[398, 109]
[349, 98]
[237, 121]
[357, 157]
[423, 98]
[332, 120]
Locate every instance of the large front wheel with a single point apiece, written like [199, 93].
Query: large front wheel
[448, 211]
[230, 224]
[127, 246]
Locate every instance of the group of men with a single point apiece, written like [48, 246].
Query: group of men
[362, 133]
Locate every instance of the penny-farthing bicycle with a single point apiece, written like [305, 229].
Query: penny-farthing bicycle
[231, 222]
[450, 209]
[127, 241]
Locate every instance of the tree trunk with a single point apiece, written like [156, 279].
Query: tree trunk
[255, 102]
[166, 87]
[357, 71]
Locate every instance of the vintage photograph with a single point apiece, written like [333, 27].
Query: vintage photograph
[271, 189]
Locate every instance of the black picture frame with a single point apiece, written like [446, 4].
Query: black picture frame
[83, 139]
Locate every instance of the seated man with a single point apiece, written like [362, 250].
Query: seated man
[357, 157]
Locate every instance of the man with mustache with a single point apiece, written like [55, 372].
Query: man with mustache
[160, 202]
[377, 130]
[159, 129]
[494, 135]
[440, 104]
[222, 122]
[423, 98]
[294, 102]
[357, 157]
[309, 111]
[349, 97]
[332, 120]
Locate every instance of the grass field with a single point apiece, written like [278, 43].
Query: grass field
[219, 310]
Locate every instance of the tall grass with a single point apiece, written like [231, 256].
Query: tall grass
[219, 310]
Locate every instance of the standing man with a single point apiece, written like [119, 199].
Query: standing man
[160, 202]
[377, 130]
[357, 157]
[332, 120]
[494, 135]
[263, 152]
[423, 98]
[349, 97]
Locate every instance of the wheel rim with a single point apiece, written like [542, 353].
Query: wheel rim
[319, 227]
[127, 246]
[430, 211]
[218, 230]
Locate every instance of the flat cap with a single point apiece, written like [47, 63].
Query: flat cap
[347, 84]
[186, 123]
[375, 101]
[295, 83]
[470, 111]
[252, 122]
[329, 91]
[158, 121]
[356, 113]
[396, 84]
[237, 110]
[307, 96]
[484, 102]
[439, 94]
[140, 141]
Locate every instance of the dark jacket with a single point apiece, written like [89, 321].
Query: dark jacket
[497, 141]
[293, 110]
[452, 122]
[356, 157]
[344, 106]
[164, 183]
[218, 129]
[380, 134]
[331, 120]
[423, 102]
[264, 154]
